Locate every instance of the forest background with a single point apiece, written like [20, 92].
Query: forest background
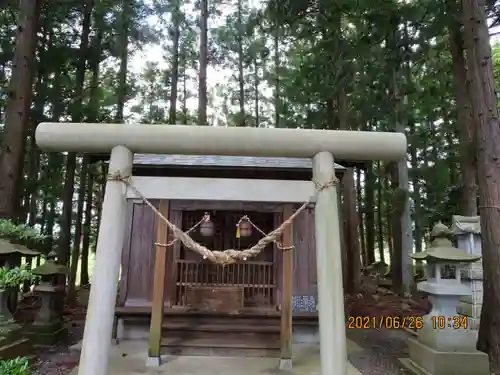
[363, 65]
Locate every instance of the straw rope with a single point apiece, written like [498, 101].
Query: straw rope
[229, 256]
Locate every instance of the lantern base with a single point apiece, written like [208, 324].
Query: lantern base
[48, 334]
[426, 360]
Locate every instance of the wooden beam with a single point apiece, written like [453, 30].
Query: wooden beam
[157, 300]
[191, 205]
[286, 299]
[221, 189]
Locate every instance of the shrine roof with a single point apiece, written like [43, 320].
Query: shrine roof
[225, 161]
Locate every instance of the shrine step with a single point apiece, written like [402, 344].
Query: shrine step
[200, 318]
[222, 345]
[222, 334]
[221, 328]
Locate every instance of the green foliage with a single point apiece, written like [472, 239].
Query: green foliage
[16, 366]
[22, 234]
[13, 277]
[285, 63]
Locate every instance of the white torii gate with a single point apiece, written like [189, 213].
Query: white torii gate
[125, 139]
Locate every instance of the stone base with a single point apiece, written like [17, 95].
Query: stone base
[433, 362]
[285, 364]
[153, 362]
[48, 335]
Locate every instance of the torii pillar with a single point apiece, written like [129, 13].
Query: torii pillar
[125, 139]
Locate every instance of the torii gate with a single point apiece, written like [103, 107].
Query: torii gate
[125, 139]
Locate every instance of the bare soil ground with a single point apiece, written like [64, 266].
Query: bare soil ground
[382, 347]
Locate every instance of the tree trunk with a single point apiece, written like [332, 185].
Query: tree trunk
[417, 202]
[93, 110]
[487, 136]
[353, 258]
[87, 229]
[176, 34]
[184, 83]
[353, 246]
[75, 253]
[369, 212]
[241, 77]
[380, 216]
[122, 91]
[397, 251]
[359, 199]
[77, 116]
[388, 220]
[464, 114]
[277, 77]
[256, 93]
[202, 75]
[405, 226]
[55, 160]
[17, 112]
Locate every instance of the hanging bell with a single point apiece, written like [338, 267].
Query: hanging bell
[207, 226]
[245, 228]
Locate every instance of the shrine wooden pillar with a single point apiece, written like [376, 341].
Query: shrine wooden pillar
[286, 290]
[158, 294]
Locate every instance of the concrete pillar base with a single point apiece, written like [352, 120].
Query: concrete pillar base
[153, 362]
[285, 364]
[120, 329]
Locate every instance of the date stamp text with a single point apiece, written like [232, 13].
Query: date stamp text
[385, 322]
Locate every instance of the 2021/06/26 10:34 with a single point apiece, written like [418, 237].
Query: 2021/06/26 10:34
[390, 322]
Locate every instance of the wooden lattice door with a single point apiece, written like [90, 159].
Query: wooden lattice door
[256, 276]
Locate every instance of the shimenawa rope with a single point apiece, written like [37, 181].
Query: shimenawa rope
[228, 256]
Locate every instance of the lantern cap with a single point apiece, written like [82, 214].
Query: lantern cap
[50, 267]
[442, 250]
[7, 247]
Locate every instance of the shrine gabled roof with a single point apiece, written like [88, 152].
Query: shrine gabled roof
[225, 161]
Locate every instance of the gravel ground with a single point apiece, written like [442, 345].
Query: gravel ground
[382, 348]
[60, 360]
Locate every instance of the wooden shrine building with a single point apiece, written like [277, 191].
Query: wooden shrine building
[183, 304]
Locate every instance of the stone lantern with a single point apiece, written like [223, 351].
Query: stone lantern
[445, 344]
[11, 254]
[48, 327]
